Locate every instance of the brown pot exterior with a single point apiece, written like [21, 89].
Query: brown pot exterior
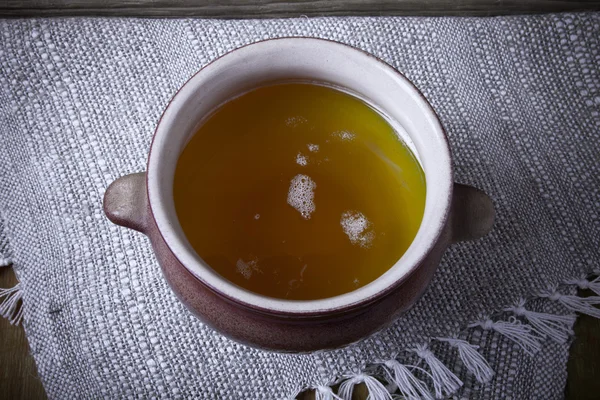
[462, 212]
[292, 333]
[126, 203]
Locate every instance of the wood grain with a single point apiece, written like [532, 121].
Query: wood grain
[18, 375]
[583, 368]
[279, 8]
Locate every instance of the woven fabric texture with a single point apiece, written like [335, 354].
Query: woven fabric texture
[80, 98]
[5, 258]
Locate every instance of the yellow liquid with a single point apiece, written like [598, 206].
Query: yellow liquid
[298, 191]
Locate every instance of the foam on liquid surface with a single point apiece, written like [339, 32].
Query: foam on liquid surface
[301, 195]
[358, 228]
[298, 191]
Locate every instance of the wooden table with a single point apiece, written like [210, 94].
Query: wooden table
[281, 8]
[18, 375]
[19, 380]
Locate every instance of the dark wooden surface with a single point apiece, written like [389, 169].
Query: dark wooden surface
[19, 380]
[290, 8]
[18, 375]
[583, 369]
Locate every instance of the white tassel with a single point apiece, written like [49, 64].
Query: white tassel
[324, 392]
[514, 330]
[473, 361]
[556, 327]
[444, 380]
[294, 394]
[584, 305]
[583, 283]
[376, 389]
[411, 387]
[8, 306]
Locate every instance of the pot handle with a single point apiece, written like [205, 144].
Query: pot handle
[126, 201]
[472, 215]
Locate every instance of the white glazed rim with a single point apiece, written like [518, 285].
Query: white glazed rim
[438, 178]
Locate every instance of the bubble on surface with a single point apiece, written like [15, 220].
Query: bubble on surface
[313, 147]
[344, 135]
[301, 159]
[358, 228]
[296, 121]
[243, 268]
[247, 268]
[301, 195]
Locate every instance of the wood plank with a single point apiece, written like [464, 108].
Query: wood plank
[279, 8]
[18, 375]
[583, 367]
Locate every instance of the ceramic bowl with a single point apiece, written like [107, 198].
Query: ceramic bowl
[144, 201]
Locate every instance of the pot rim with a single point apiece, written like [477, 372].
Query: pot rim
[427, 237]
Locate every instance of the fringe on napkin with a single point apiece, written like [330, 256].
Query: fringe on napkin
[9, 306]
[528, 329]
